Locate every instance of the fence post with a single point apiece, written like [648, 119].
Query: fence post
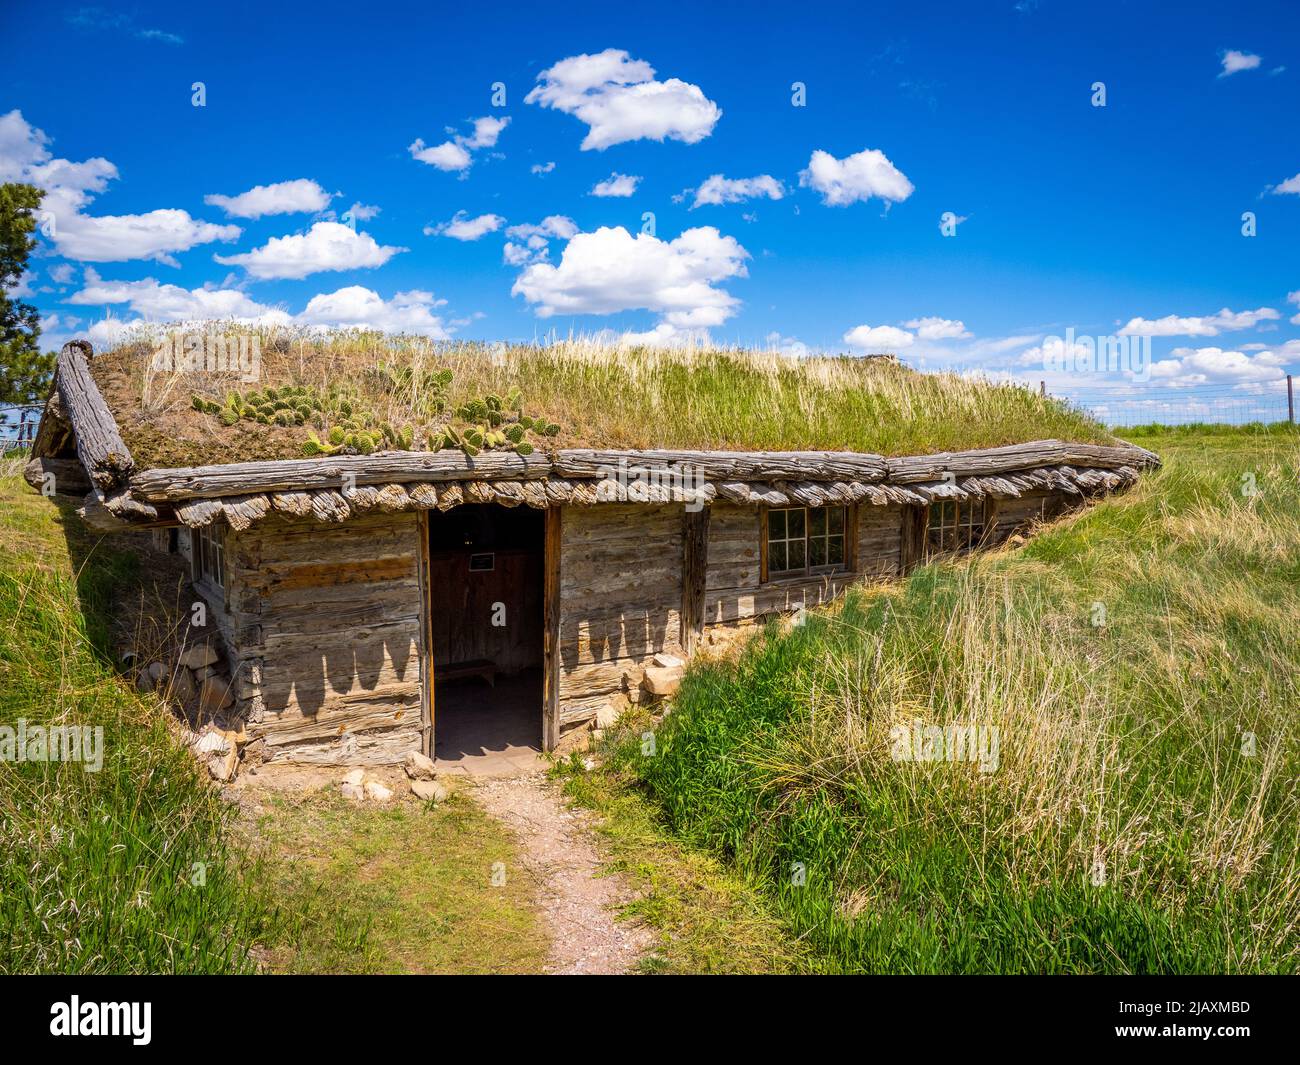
[1042, 389]
[1290, 401]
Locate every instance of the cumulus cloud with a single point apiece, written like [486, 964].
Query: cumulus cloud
[619, 100]
[1290, 185]
[719, 190]
[456, 154]
[326, 246]
[1234, 61]
[1203, 326]
[616, 185]
[356, 307]
[530, 242]
[284, 197]
[858, 177]
[1294, 297]
[543, 168]
[939, 328]
[1204, 366]
[610, 270]
[462, 227]
[353, 307]
[878, 338]
[70, 187]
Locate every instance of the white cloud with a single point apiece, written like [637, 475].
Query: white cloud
[616, 185]
[326, 246]
[610, 270]
[462, 227]
[23, 288]
[1290, 185]
[791, 346]
[619, 100]
[1204, 326]
[1202, 366]
[355, 307]
[63, 273]
[939, 328]
[858, 177]
[69, 187]
[534, 239]
[284, 197]
[1234, 61]
[455, 154]
[664, 335]
[364, 212]
[543, 168]
[1294, 297]
[719, 190]
[878, 338]
[157, 302]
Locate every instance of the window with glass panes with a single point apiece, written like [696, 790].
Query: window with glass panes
[209, 556]
[955, 525]
[802, 540]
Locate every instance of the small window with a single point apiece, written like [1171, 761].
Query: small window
[955, 526]
[805, 540]
[209, 555]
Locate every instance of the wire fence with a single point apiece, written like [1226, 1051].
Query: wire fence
[18, 428]
[1124, 407]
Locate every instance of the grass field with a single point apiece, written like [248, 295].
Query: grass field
[1140, 664]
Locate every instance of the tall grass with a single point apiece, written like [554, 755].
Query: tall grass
[1144, 815]
[604, 395]
[129, 869]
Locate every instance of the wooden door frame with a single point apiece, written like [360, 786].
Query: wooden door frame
[426, 636]
[552, 545]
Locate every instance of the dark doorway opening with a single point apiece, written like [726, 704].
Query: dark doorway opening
[485, 579]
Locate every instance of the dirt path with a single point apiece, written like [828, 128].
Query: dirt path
[559, 853]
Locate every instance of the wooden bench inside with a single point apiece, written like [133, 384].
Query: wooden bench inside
[478, 667]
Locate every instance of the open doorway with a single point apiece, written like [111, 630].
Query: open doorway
[485, 585]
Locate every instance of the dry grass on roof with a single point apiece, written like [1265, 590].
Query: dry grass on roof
[601, 395]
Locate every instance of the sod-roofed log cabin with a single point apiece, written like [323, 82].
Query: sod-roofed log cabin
[375, 520]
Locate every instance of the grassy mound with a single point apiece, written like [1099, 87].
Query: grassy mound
[1140, 666]
[599, 394]
[130, 869]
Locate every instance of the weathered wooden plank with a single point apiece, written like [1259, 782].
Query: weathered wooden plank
[99, 444]
[68, 476]
[723, 465]
[695, 565]
[552, 610]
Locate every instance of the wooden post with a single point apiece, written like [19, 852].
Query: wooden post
[427, 741]
[551, 630]
[1042, 389]
[1290, 400]
[695, 564]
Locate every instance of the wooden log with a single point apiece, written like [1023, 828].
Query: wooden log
[479, 492]
[507, 493]
[362, 498]
[330, 506]
[584, 493]
[199, 513]
[734, 491]
[695, 568]
[67, 476]
[241, 512]
[558, 489]
[724, 465]
[392, 467]
[803, 492]
[392, 498]
[450, 495]
[297, 504]
[534, 494]
[99, 444]
[424, 496]
[768, 496]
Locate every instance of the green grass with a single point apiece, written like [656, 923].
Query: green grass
[405, 888]
[1132, 824]
[601, 396]
[706, 917]
[125, 870]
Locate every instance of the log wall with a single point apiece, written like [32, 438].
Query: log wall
[327, 637]
[620, 600]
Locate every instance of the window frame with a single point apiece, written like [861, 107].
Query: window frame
[963, 526]
[808, 571]
[208, 558]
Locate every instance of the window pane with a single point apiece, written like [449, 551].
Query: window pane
[817, 551]
[837, 519]
[835, 550]
[796, 554]
[794, 525]
[817, 521]
[776, 556]
[776, 524]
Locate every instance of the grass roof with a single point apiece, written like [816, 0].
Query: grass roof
[599, 395]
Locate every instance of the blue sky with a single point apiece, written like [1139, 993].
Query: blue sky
[1075, 216]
